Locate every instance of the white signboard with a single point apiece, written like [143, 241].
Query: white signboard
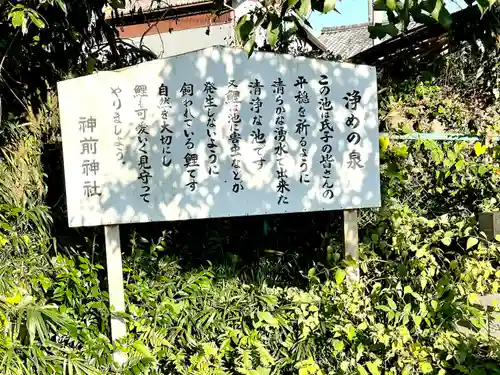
[214, 133]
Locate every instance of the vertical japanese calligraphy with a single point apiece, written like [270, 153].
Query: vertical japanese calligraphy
[90, 163]
[281, 148]
[258, 136]
[326, 129]
[210, 105]
[191, 158]
[117, 123]
[301, 98]
[215, 133]
[165, 128]
[352, 99]
[142, 129]
[234, 120]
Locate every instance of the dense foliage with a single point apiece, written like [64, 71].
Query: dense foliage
[44, 41]
[260, 295]
[275, 298]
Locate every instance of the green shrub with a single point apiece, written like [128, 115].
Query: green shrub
[422, 265]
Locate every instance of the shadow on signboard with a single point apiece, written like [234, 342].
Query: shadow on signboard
[257, 183]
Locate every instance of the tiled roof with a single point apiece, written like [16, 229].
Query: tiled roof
[349, 40]
[346, 41]
[146, 6]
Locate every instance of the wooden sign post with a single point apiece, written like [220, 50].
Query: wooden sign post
[351, 241]
[115, 286]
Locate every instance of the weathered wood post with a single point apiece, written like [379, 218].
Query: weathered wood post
[115, 286]
[351, 241]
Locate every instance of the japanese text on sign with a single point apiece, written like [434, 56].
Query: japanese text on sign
[213, 133]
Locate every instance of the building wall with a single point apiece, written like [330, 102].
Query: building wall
[173, 37]
[242, 7]
[185, 34]
[182, 41]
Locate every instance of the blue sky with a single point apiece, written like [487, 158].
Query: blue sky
[352, 11]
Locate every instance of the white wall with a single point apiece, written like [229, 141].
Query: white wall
[182, 41]
[242, 7]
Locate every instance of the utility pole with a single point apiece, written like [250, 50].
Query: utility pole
[370, 13]
[370, 17]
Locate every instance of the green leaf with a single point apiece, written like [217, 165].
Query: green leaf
[246, 358]
[446, 241]
[391, 303]
[244, 28]
[483, 5]
[329, 5]
[382, 30]
[441, 14]
[62, 5]
[26, 239]
[262, 371]
[383, 308]
[15, 300]
[305, 8]
[338, 346]
[482, 169]
[384, 143]
[267, 317]
[339, 276]
[351, 332]
[460, 165]
[141, 348]
[209, 349]
[265, 357]
[291, 3]
[250, 45]
[45, 282]
[421, 252]
[497, 237]
[273, 30]
[90, 64]
[479, 149]
[17, 18]
[373, 367]
[35, 18]
[426, 367]
[3, 240]
[405, 14]
[391, 4]
[434, 304]
[472, 241]
[417, 320]
[362, 370]
[407, 308]
[472, 298]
